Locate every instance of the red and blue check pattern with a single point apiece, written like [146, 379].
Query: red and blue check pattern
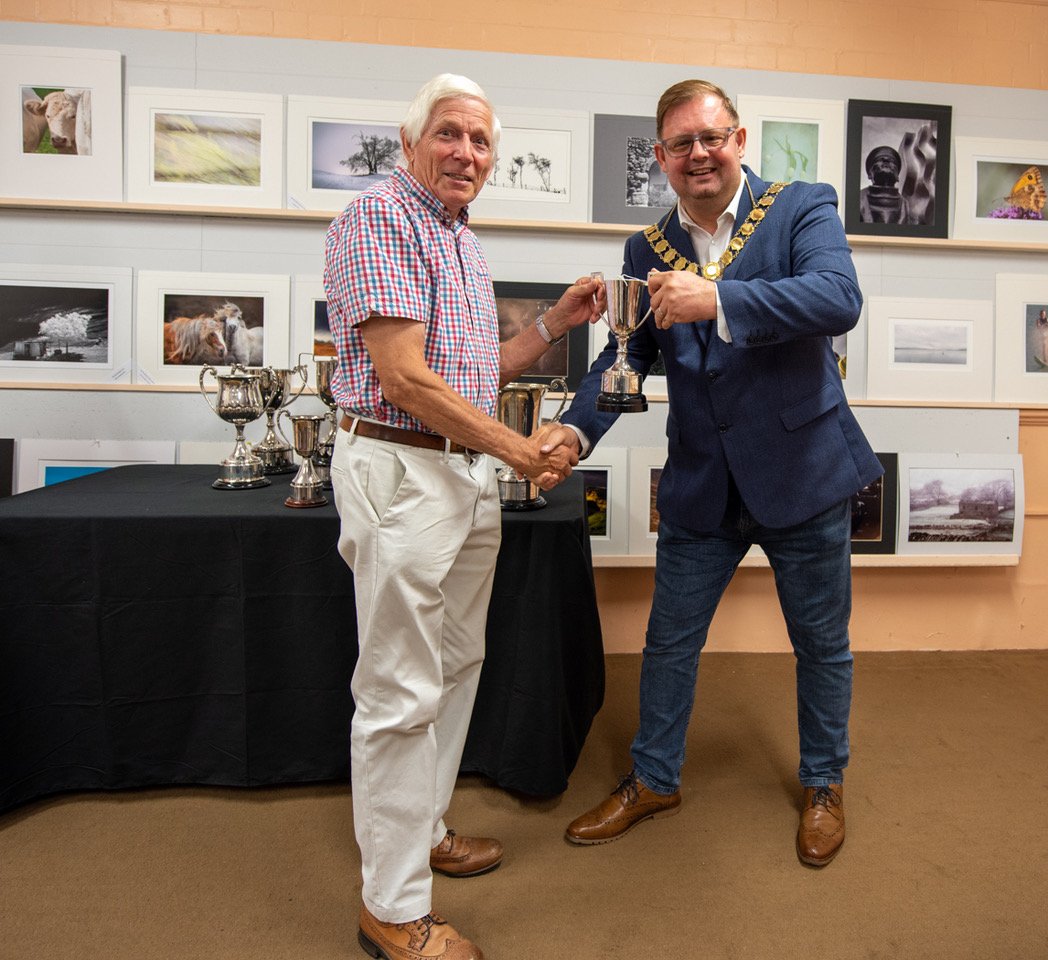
[394, 252]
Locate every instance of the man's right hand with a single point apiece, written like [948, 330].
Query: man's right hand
[551, 452]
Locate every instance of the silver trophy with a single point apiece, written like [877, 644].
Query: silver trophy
[239, 401]
[325, 370]
[519, 407]
[278, 392]
[620, 384]
[306, 489]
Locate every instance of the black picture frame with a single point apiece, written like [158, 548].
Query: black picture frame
[875, 510]
[569, 359]
[613, 173]
[907, 129]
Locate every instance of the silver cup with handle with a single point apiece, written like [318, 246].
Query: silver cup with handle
[238, 401]
[519, 408]
[278, 391]
[325, 367]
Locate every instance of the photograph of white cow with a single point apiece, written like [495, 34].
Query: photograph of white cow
[56, 120]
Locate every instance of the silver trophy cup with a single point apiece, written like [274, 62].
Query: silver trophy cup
[620, 384]
[325, 370]
[519, 407]
[307, 490]
[278, 392]
[239, 402]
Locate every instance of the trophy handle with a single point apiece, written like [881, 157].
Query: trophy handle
[282, 412]
[272, 382]
[304, 374]
[203, 392]
[559, 383]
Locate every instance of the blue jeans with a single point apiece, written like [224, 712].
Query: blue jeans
[812, 567]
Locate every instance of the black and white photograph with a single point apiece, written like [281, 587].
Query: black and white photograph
[519, 306]
[215, 330]
[874, 510]
[628, 183]
[346, 155]
[934, 342]
[960, 503]
[50, 325]
[531, 164]
[898, 169]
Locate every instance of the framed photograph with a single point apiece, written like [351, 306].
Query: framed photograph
[310, 332]
[605, 477]
[337, 148]
[7, 466]
[42, 463]
[924, 349]
[65, 324]
[874, 510]
[1022, 338]
[850, 352]
[646, 465]
[67, 104]
[519, 306]
[897, 179]
[542, 171]
[955, 503]
[185, 321]
[795, 139]
[628, 183]
[205, 148]
[1000, 190]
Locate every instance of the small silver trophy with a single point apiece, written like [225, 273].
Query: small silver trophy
[306, 488]
[620, 384]
[519, 406]
[239, 401]
[325, 370]
[278, 392]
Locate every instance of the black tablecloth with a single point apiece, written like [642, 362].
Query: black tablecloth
[157, 631]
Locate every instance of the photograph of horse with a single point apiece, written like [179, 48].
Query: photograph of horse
[213, 330]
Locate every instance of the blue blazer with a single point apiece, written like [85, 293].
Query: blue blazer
[769, 407]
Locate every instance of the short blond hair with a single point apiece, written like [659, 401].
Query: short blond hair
[688, 90]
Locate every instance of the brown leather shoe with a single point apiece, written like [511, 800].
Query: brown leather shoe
[429, 936]
[821, 832]
[630, 803]
[457, 856]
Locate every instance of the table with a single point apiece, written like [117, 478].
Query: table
[157, 631]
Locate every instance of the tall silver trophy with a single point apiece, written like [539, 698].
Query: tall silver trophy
[620, 384]
[325, 370]
[278, 391]
[239, 402]
[519, 408]
[307, 490]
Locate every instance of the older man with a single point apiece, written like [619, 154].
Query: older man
[413, 315]
[748, 282]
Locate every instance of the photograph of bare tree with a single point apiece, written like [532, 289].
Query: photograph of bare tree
[347, 155]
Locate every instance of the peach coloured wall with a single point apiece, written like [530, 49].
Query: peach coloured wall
[982, 42]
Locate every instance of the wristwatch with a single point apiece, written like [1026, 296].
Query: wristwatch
[540, 325]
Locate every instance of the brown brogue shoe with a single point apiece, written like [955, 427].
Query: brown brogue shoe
[821, 832]
[457, 856]
[629, 804]
[423, 939]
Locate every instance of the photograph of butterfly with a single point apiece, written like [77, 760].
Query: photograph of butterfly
[1000, 189]
[1009, 191]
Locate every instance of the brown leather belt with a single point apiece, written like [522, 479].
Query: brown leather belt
[410, 438]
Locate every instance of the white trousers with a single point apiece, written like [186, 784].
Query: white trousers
[420, 529]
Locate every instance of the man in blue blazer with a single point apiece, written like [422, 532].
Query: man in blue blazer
[748, 282]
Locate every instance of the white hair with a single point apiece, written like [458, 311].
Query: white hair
[444, 86]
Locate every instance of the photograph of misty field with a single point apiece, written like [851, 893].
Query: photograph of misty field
[207, 148]
[40, 324]
[962, 505]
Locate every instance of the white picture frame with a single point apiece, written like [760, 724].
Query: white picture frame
[646, 464]
[929, 349]
[94, 169]
[854, 346]
[262, 299]
[1022, 338]
[984, 168]
[763, 116]
[612, 465]
[560, 136]
[950, 526]
[312, 166]
[307, 293]
[39, 460]
[232, 120]
[72, 297]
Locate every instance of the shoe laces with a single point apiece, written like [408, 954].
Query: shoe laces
[419, 930]
[628, 787]
[825, 797]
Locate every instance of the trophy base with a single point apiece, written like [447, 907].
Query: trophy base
[222, 484]
[621, 402]
[537, 504]
[320, 501]
[276, 461]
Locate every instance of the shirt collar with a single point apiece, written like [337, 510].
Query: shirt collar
[406, 180]
[731, 211]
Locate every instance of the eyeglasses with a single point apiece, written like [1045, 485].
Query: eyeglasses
[712, 139]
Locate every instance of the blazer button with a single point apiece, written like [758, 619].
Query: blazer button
[724, 427]
[712, 375]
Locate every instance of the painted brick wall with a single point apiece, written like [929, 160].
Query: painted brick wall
[981, 42]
